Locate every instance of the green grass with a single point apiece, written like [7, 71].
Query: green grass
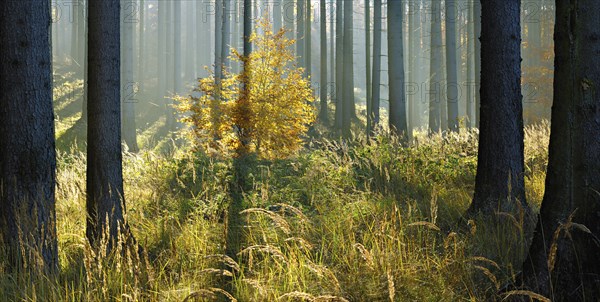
[352, 221]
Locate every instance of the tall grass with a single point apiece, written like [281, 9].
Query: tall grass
[343, 221]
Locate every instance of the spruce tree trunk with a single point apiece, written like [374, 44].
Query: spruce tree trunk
[301, 33]
[128, 86]
[368, 70]
[27, 155]
[397, 112]
[452, 86]
[105, 196]
[477, 37]
[323, 114]
[161, 51]
[277, 15]
[471, 89]
[308, 38]
[499, 184]
[141, 77]
[339, 65]
[436, 72]
[376, 89]
[288, 18]
[348, 69]
[572, 272]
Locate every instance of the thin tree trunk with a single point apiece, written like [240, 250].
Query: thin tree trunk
[452, 86]
[348, 69]
[368, 70]
[339, 65]
[141, 47]
[127, 84]
[376, 89]
[277, 15]
[563, 259]
[323, 114]
[105, 196]
[477, 28]
[397, 112]
[436, 71]
[27, 154]
[470, 81]
[301, 33]
[308, 39]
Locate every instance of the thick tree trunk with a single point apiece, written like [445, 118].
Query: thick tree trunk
[27, 156]
[141, 77]
[563, 259]
[348, 69]
[323, 114]
[436, 70]
[452, 87]
[161, 51]
[128, 86]
[376, 89]
[499, 184]
[105, 197]
[397, 112]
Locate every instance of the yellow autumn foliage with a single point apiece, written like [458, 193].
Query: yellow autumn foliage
[271, 119]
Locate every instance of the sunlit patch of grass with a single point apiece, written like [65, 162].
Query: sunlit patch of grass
[343, 221]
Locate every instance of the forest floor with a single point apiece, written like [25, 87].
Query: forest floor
[342, 221]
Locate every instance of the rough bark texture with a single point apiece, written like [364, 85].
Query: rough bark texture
[397, 111]
[452, 86]
[376, 90]
[499, 183]
[27, 156]
[573, 179]
[105, 198]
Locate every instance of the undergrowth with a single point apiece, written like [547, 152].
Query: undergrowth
[343, 221]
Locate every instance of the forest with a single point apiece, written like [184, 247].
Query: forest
[300, 150]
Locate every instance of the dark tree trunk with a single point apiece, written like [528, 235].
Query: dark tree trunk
[105, 198]
[397, 112]
[27, 156]
[376, 90]
[499, 184]
[573, 179]
[323, 114]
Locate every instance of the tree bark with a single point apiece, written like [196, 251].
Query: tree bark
[323, 114]
[436, 70]
[398, 123]
[349, 111]
[499, 185]
[128, 86]
[27, 155]
[563, 259]
[376, 89]
[452, 87]
[368, 82]
[105, 196]
[301, 33]
[339, 65]
[470, 78]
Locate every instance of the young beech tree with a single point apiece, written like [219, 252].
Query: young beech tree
[270, 118]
